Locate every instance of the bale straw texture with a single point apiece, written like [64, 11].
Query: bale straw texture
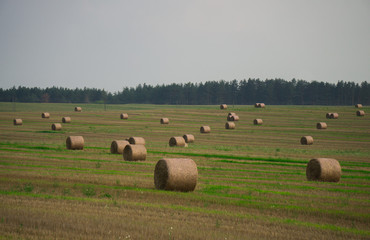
[358, 105]
[321, 125]
[165, 121]
[223, 106]
[360, 113]
[134, 152]
[188, 138]
[176, 174]
[136, 140]
[45, 115]
[124, 116]
[177, 141]
[66, 120]
[56, 126]
[257, 121]
[230, 125]
[117, 146]
[334, 115]
[78, 109]
[307, 140]
[205, 129]
[323, 169]
[17, 121]
[75, 142]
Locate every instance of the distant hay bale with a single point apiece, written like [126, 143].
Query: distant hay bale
[323, 169]
[321, 125]
[328, 115]
[165, 121]
[177, 141]
[134, 152]
[231, 113]
[262, 105]
[256, 105]
[205, 129]
[56, 126]
[257, 121]
[17, 121]
[117, 146]
[124, 116]
[176, 174]
[136, 140]
[75, 142]
[360, 113]
[230, 116]
[307, 140]
[223, 106]
[45, 115]
[358, 105]
[188, 138]
[66, 119]
[78, 109]
[334, 115]
[234, 118]
[259, 105]
[230, 125]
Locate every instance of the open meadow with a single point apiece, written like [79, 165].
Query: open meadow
[251, 180]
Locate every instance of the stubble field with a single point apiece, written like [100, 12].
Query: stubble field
[251, 183]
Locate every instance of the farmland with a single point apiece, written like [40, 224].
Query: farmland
[251, 179]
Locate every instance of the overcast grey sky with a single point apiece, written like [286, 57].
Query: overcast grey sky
[114, 44]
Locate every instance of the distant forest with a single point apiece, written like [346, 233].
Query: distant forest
[270, 91]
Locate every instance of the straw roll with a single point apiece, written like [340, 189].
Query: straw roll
[188, 138]
[134, 152]
[117, 146]
[323, 169]
[136, 140]
[17, 121]
[75, 142]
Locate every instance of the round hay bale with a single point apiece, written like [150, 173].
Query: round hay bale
[223, 106]
[230, 125]
[360, 113]
[78, 109]
[334, 115]
[323, 169]
[256, 105]
[75, 142]
[17, 121]
[134, 152]
[177, 141]
[66, 120]
[262, 105]
[257, 121]
[117, 146]
[205, 129]
[56, 126]
[124, 116]
[165, 121]
[307, 140]
[188, 138]
[45, 115]
[234, 118]
[358, 105]
[136, 140]
[328, 115]
[321, 125]
[176, 174]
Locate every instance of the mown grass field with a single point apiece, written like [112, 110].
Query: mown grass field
[251, 183]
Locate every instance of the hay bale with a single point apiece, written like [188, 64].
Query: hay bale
[234, 118]
[328, 115]
[230, 125]
[176, 174]
[56, 126]
[358, 105]
[78, 109]
[262, 105]
[136, 140]
[360, 113]
[321, 125]
[256, 105]
[117, 146]
[230, 116]
[134, 152]
[307, 140]
[323, 169]
[165, 121]
[17, 121]
[45, 115]
[177, 141]
[334, 116]
[66, 120]
[205, 129]
[259, 105]
[223, 106]
[257, 121]
[188, 138]
[124, 116]
[75, 142]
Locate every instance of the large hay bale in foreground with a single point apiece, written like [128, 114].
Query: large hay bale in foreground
[257, 121]
[124, 116]
[360, 113]
[136, 140]
[177, 141]
[75, 142]
[205, 129]
[176, 174]
[307, 140]
[358, 105]
[321, 125]
[334, 115]
[230, 125]
[17, 121]
[134, 152]
[56, 126]
[223, 106]
[165, 121]
[117, 146]
[323, 169]
[45, 115]
[188, 138]
[66, 120]
[78, 109]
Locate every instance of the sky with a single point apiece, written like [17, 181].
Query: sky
[115, 44]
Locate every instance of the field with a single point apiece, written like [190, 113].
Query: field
[251, 183]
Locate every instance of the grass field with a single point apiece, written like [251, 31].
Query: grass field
[251, 183]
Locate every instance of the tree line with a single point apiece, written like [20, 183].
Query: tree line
[243, 92]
